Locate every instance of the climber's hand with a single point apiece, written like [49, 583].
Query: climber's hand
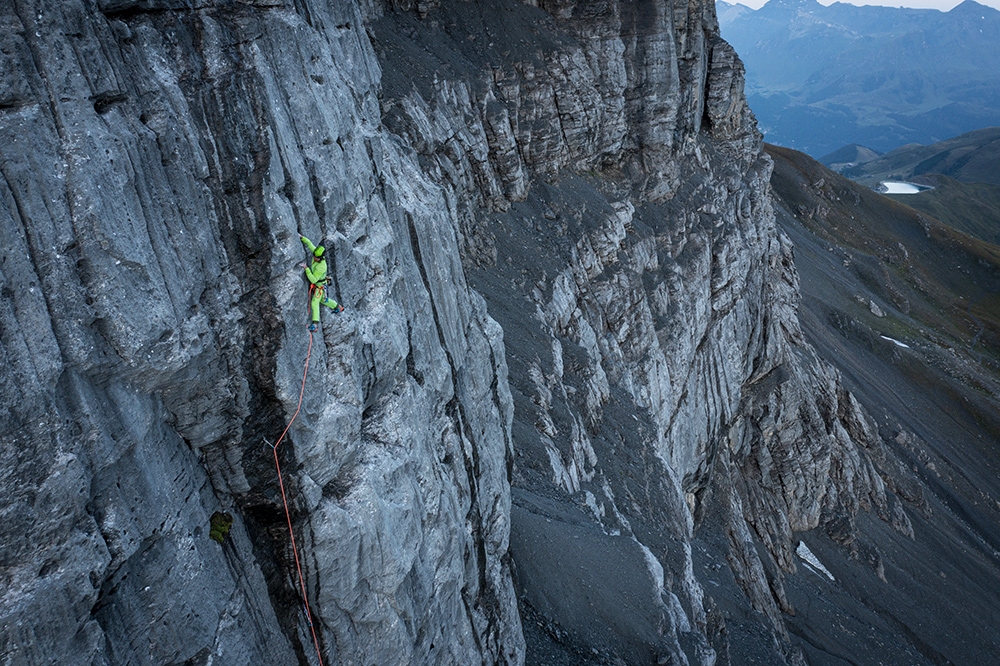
[303, 266]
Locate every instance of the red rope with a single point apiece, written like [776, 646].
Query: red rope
[284, 499]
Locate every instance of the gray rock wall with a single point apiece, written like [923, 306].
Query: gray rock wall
[585, 175]
[615, 215]
[158, 160]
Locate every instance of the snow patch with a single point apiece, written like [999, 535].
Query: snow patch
[802, 550]
[895, 342]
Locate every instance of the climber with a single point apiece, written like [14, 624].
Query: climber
[318, 282]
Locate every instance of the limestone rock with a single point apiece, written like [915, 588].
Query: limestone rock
[550, 225]
[648, 301]
[160, 159]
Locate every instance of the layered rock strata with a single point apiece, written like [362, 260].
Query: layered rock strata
[159, 161]
[587, 174]
[615, 215]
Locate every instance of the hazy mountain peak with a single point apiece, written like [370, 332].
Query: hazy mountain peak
[973, 6]
[777, 6]
[794, 3]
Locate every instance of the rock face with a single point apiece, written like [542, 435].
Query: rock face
[159, 159]
[573, 190]
[614, 207]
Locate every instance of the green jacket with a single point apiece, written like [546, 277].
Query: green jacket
[316, 271]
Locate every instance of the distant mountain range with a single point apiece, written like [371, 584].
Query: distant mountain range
[819, 78]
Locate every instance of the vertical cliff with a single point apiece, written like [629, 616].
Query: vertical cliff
[159, 159]
[570, 336]
[615, 214]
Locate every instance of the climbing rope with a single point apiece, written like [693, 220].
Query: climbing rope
[284, 499]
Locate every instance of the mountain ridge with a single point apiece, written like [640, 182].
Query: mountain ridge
[822, 77]
[970, 157]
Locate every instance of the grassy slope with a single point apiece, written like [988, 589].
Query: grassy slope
[973, 157]
[932, 598]
[942, 279]
[970, 207]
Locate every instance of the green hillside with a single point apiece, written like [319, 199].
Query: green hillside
[970, 207]
[943, 284]
[973, 157]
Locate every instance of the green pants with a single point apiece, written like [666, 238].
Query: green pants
[319, 298]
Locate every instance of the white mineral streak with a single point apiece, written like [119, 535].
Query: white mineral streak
[802, 550]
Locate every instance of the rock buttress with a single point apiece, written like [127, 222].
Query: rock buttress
[615, 215]
[159, 160]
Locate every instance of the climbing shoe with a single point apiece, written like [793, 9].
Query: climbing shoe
[312, 327]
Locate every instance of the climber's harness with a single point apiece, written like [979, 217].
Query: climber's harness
[318, 289]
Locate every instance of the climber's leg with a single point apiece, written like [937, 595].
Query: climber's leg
[317, 298]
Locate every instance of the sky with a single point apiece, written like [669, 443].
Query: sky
[943, 5]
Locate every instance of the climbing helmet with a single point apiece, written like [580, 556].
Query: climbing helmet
[318, 252]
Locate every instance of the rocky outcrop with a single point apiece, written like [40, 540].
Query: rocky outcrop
[551, 228]
[615, 215]
[159, 159]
